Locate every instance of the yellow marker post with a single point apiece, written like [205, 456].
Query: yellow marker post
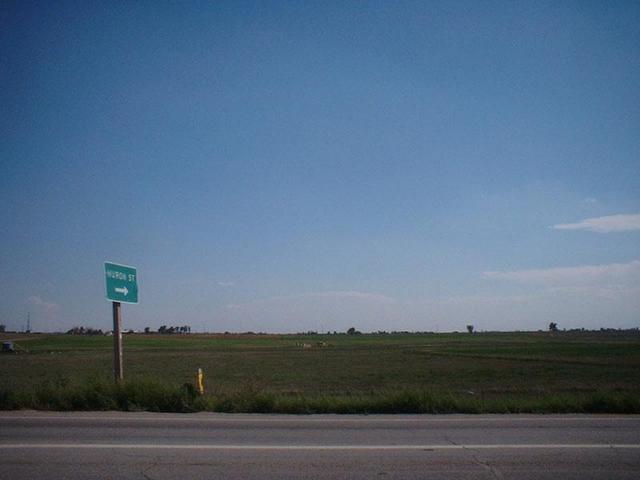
[200, 381]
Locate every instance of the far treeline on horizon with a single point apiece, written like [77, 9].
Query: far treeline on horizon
[329, 167]
[351, 331]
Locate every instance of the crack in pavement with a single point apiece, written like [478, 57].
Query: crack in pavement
[145, 470]
[486, 465]
[446, 437]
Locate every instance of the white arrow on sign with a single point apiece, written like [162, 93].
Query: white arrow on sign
[122, 290]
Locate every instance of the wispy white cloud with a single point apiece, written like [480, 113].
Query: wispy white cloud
[311, 311]
[614, 302]
[613, 273]
[608, 224]
[226, 284]
[351, 294]
[338, 295]
[590, 200]
[48, 307]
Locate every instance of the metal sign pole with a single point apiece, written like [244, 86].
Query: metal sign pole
[117, 342]
[122, 286]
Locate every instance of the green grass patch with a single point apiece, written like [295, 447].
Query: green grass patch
[434, 373]
[154, 396]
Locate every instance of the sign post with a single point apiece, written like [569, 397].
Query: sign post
[117, 342]
[122, 287]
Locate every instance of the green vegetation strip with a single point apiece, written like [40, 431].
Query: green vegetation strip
[158, 397]
[581, 372]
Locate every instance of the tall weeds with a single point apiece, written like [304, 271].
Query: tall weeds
[151, 395]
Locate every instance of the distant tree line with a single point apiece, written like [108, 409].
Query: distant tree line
[169, 330]
[164, 329]
[84, 331]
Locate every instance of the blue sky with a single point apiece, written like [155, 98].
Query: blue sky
[286, 166]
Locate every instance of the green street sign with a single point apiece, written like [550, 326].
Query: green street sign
[122, 283]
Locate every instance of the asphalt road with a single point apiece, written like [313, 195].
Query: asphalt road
[48, 445]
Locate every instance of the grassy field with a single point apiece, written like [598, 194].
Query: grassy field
[484, 372]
